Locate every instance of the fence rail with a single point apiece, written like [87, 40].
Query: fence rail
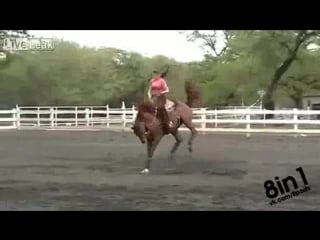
[226, 120]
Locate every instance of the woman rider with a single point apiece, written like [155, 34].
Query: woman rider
[157, 95]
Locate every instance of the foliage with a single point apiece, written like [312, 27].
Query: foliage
[280, 62]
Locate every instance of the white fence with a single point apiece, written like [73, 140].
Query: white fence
[233, 120]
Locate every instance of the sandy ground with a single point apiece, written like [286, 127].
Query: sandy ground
[73, 170]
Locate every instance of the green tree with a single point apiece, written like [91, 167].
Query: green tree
[271, 53]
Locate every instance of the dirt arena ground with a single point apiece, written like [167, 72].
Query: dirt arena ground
[79, 170]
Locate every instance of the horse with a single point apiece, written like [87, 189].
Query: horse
[148, 126]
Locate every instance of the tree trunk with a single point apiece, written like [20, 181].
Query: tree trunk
[269, 97]
[269, 100]
[297, 102]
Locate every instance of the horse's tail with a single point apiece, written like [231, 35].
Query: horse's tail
[193, 94]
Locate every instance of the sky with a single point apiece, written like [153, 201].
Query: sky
[149, 43]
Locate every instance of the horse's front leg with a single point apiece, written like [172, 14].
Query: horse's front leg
[151, 147]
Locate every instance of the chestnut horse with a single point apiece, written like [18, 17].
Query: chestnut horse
[148, 126]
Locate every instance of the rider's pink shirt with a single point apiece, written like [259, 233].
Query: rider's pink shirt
[158, 85]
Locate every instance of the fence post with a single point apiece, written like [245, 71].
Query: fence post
[216, 118]
[248, 122]
[17, 117]
[134, 114]
[38, 116]
[52, 117]
[108, 116]
[203, 118]
[295, 119]
[14, 116]
[87, 116]
[123, 107]
[55, 115]
[76, 116]
[91, 116]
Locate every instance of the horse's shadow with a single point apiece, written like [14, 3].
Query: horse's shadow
[191, 166]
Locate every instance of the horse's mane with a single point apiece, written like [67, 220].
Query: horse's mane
[144, 107]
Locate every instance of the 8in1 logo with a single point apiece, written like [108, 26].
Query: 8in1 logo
[273, 190]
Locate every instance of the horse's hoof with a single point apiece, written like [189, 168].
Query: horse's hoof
[145, 171]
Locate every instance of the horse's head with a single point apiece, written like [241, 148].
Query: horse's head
[139, 127]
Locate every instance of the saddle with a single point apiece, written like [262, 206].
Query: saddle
[169, 106]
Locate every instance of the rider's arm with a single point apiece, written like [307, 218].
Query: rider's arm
[149, 93]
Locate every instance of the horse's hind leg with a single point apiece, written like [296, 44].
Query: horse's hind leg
[194, 132]
[176, 145]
